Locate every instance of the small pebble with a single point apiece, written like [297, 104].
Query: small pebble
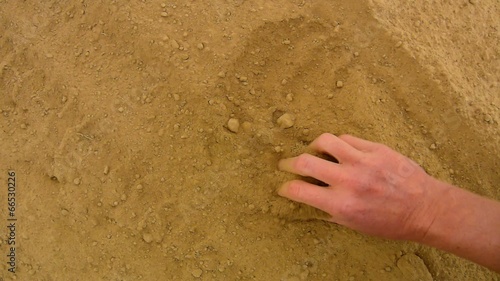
[286, 121]
[200, 46]
[222, 74]
[148, 238]
[139, 187]
[23, 126]
[164, 14]
[197, 272]
[106, 170]
[340, 84]
[233, 125]
[120, 109]
[433, 146]
[247, 126]
[77, 181]
[64, 212]
[174, 44]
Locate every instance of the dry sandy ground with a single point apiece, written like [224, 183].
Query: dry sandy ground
[114, 117]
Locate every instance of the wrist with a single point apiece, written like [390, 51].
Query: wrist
[439, 199]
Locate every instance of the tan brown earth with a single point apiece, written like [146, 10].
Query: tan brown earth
[114, 116]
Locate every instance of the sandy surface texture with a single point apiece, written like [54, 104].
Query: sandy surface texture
[144, 135]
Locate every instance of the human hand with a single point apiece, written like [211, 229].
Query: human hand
[373, 189]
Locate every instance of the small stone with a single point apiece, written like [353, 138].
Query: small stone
[340, 84]
[399, 44]
[64, 212]
[176, 97]
[286, 121]
[243, 79]
[106, 170]
[197, 272]
[139, 187]
[221, 74]
[200, 46]
[284, 81]
[289, 97]
[77, 181]
[123, 197]
[247, 126]
[184, 56]
[330, 96]
[233, 125]
[433, 146]
[23, 126]
[120, 109]
[356, 54]
[147, 237]
[164, 14]
[174, 44]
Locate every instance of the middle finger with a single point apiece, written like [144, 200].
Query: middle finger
[308, 165]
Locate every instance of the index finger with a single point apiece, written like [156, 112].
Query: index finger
[336, 147]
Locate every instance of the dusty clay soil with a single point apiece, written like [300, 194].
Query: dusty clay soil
[114, 116]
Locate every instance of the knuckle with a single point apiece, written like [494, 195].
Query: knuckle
[295, 189]
[367, 183]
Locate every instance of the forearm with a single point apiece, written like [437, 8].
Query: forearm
[466, 225]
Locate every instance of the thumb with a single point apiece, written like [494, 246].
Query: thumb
[307, 193]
